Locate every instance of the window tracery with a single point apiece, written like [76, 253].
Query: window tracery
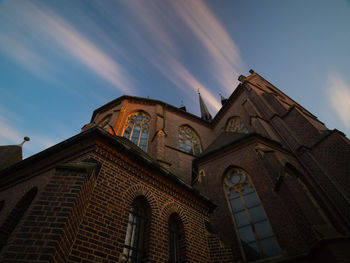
[235, 124]
[189, 141]
[251, 223]
[136, 129]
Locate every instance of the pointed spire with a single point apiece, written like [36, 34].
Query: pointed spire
[223, 99]
[182, 106]
[204, 110]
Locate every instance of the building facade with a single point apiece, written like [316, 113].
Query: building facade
[262, 181]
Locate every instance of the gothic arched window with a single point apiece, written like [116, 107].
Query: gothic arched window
[135, 239]
[189, 141]
[104, 123]
[176, 242]
[235, 124]
[252, 225]
[136, 129]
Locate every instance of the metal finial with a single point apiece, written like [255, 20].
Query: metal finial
[25, 139]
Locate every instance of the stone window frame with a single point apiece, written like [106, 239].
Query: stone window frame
[242, 200]
[235, 124]
[143, 125]
[189, 141]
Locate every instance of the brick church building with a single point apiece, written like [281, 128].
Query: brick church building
[262, 181]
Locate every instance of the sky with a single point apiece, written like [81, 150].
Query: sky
[60, 60]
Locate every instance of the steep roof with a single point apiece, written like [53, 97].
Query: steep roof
[221, 141]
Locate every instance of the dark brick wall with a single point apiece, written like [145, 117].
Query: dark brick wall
[102, 230]
[284, 208]
[47, 231]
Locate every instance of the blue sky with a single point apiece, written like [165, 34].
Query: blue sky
[60, 60]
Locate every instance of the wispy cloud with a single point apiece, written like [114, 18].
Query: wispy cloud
[224, 60]
[53, 31]
[339, 97]
[26, 57]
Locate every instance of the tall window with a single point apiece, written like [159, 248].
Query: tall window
[104, 123]
[235, 124]
[252, 226]
[134, 247]
[176, 239]
[136, 129]
[189, 141]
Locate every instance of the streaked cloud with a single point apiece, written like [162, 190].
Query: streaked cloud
[339, 98]
[55, 34]
[224, 62]
[27, 58]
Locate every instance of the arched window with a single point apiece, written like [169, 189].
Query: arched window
[176, 239]
[104, 123]
[235, 124]
[252, 226]
[189, 141]
[16, 215]
[136, 234]
[136, 129]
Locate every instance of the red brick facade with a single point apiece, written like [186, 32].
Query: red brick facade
[72, 202]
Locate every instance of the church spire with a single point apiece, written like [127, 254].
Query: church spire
[204, 110]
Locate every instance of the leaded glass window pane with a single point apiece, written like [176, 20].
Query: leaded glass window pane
[257, 213]
[236, 205]
[253, 228]
[251, 251]
[241, 218]
[251, 199]
[270, 247]
[136, 129]
[235, 124]
[263, 229]
[246, 234]
[189, 141]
